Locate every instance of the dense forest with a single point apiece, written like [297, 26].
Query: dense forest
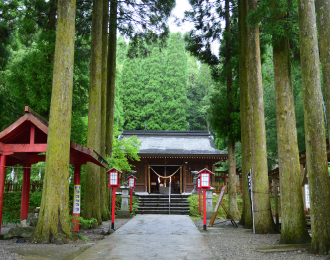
[164, 90]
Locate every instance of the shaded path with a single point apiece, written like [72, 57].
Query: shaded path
[152, 237]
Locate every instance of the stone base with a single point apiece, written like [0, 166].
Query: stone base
[209, 214]
[123, 214]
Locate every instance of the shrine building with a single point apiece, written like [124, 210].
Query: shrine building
[172, 156]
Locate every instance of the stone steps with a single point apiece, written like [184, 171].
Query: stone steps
[159, 204]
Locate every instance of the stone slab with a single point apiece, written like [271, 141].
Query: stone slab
[152, 237]
[282, 247]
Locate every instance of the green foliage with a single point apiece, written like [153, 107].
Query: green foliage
[82, 237]
[194, 206]
[122, 150]
[35, 198]
[135, 204]
[12, 205]
[87, 222]
[8, 217]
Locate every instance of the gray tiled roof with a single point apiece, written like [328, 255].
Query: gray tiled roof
[175, 142]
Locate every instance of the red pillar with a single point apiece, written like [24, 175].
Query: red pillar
[2, 183]
[113, 208]
[25, 191]
[131, 200]
[204, 208]
[76, 197]
[200, 202]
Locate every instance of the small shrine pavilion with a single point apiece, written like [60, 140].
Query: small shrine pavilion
[172, 156]
[23, 141]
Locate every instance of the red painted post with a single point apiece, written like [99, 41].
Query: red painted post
[2, 183]
[131, 200]
[25, 191]
[204, 208]
[200, 202]
[113, 208]
[76, 198]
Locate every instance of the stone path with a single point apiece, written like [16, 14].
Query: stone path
[152, 237]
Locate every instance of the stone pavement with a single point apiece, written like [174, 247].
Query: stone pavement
[152, 237]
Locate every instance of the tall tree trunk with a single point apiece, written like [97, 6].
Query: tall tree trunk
[293, 224]
[263, 220]
[53, 224]
[246, 218]
[232, 201]
[111, 76]
[103, 181]
[92, 205]
[323, 24]
[233, 209]
[316, 153]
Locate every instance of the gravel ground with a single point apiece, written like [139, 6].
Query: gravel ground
[10, 250]
[228, 242]
[224, 241]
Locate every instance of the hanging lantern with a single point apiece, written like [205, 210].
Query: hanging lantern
[131, 181]
[205, 178]
[114, 177]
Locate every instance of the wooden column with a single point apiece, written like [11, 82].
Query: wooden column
[2, 183]
[76, 197]
[145, 177]
[149, 188]
[275, 182]
[25, 191]
[180, 180]
[184, 178]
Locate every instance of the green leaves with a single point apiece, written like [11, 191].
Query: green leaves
[122, 150]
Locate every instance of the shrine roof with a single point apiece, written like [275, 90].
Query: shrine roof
[192, 143]
[16, 143]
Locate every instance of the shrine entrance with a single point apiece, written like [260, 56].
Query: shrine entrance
[162, 177]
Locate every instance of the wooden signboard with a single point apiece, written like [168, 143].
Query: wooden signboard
[215, 212]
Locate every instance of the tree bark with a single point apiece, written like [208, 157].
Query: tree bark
[92, 205]
[53, 224]
[232, 195]
[103, 180]
[323, 24]
[111, 76]
[246, 218]
[316, 153]
[263, 220]
[293, 224]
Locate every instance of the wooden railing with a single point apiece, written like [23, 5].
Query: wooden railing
[11, 187]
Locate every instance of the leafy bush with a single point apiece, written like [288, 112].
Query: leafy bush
[194, 206]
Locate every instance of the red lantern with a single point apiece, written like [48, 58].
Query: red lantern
[205, 177]
[131, 184]
[113, 182]
[114, 177]
[131, 181]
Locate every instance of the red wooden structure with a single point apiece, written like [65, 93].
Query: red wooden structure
[114, 182]
[205, 183]
[23, 141]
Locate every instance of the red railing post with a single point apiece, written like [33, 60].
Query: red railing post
[2, 183]
[113, 208]
[204, 208]
[25, 191]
